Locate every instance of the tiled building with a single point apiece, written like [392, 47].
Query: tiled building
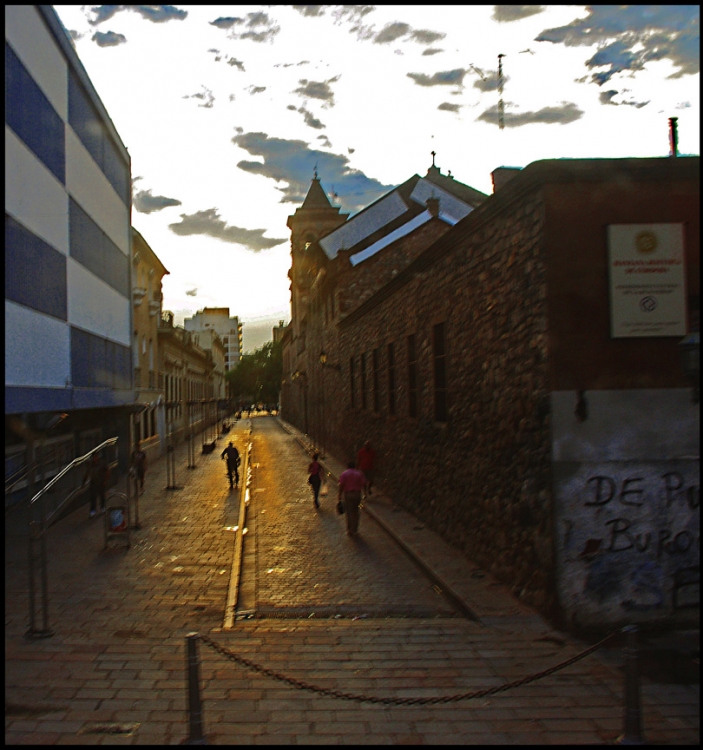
[520, 378]
[68, 317]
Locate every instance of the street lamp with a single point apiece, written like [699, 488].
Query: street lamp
[689, 347]
[325, 363]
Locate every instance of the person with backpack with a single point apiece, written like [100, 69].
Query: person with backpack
[315, 478]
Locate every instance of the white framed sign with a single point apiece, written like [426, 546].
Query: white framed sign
[647, 280]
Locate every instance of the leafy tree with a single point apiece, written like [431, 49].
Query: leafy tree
[257, 376]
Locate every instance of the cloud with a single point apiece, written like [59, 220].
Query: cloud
[683, 105]
[563, 115]
[210, 223]
[239, 64]
[424, 36]
[507, 13]
[258, 26]
[317, 90]
[606, 97]
[146, 203]
[447, 107]
[629, 36]
[444, 78]
[256, 89]
[432, 51]
[310, 10]
[391, 32]
[226, 22]
[206, 95]
[310, 119]
[108, 39]
[324, 141]
[153, 13]
[292, 162]
[489, 82]
[192, 292]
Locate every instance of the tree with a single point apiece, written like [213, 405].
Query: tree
[257, 376]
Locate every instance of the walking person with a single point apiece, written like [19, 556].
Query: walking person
[233, 461]
[365, 461]
[98, 473]
[315, 478]
[139, 464]
[351, 483]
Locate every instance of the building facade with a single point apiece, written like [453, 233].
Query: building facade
[68, 312]
[520, 380]
[149, 425]
[228, 329]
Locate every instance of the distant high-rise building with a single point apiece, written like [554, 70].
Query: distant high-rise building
[228, 329]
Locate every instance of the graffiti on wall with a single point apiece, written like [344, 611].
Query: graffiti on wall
[628, 539]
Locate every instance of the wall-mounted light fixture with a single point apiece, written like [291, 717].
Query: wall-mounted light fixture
[325, 363]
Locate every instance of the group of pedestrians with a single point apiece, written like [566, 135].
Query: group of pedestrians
[355, 480]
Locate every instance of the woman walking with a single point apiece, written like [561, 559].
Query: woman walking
[315, 478]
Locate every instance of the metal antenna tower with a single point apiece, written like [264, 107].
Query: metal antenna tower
[501, 106]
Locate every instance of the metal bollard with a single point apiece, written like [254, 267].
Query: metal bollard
[632, 734]
[195, 712]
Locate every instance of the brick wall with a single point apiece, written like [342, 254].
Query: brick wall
[481, 478]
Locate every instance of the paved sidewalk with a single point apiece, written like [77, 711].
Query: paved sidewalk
[117, 660]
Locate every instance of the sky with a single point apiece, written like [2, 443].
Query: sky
[228, 110]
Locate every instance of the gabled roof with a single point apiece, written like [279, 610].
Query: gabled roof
[398, 213]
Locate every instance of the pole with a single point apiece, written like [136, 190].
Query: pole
[195, 711]
[632, 734]
[674, 137]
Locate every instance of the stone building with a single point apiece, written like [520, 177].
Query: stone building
[525, 396]
[68, 312]
[149, 425]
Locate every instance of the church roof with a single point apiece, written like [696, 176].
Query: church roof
[316, 197]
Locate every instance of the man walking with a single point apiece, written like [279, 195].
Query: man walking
[233, 462]
[351, 482]
[139, 464]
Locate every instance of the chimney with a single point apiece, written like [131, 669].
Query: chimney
[502, 175]
[673, 136]
[433, 206]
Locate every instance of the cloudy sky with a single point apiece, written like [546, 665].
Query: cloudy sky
[227, 111]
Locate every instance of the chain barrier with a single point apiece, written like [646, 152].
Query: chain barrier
[302, 685]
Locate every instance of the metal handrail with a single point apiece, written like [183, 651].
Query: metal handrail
[66, 469]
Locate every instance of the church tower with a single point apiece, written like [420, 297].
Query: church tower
[316, 218]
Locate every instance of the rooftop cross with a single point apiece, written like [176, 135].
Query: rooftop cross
[434, 153]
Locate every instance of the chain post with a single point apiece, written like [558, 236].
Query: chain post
[195, 712]
[632, 734]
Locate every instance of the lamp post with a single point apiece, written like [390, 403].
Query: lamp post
[689, 347]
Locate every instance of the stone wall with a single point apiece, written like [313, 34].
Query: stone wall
[482, 478]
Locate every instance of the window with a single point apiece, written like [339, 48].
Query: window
[351, 382]
[391, 379]
[35, 273]
[97, 362]
[412, 377]
[376, 396]
[440, 373]
[30, 114]
[363, 380]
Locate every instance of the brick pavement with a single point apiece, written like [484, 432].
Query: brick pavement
[120, 618]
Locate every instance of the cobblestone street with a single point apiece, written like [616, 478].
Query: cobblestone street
[114, 670]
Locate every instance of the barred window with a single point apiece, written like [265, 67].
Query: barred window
[440, 373]
[376, 365]
[412, 377]
[391, 379]
[363, 380]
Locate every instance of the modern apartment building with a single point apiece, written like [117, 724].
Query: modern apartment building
[228, 329]
[68, 316]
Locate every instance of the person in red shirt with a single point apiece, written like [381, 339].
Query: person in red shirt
[351, 483]
[365, 461]
[315, 478]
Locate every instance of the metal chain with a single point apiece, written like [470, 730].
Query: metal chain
[301, 685]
